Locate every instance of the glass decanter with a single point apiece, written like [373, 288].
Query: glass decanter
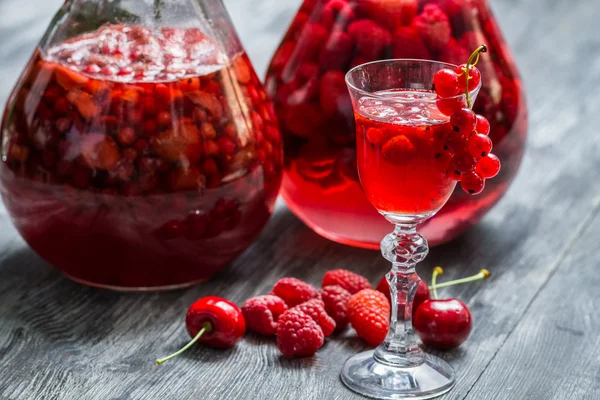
[305, 79]
[139, 148]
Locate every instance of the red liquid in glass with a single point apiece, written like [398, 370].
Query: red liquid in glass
[399, 136]
[135, 158]
[306, 82]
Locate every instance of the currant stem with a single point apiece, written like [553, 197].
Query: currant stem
[473, 60]
[436, 271]
[483, 274]
[207, 327]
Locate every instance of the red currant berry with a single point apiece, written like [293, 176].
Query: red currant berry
[463, 120]
[479, 145]
[454, 174]
[474, 77]
[456, 141]
[445, 82]
[472, 183]
[463, 162]
[488, 166]
[482, 125]
[450, 105]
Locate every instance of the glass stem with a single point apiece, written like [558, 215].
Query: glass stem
[404, 248]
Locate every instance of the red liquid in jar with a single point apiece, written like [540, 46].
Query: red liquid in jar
[306, 82]
[399, 136]
[139, 159]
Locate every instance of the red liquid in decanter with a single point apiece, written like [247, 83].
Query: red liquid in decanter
[306, 82]
[136, 158]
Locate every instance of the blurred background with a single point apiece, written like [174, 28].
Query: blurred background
[259, 23]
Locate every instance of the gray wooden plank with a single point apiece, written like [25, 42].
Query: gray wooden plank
[59, 340]
[554, 352]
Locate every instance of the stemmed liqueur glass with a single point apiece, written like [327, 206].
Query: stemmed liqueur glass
[400, 134]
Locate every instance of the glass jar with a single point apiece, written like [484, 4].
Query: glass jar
[139, 148]
[305, 79]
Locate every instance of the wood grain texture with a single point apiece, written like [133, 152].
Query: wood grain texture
[59, 340]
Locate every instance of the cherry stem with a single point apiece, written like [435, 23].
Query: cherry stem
[473, 60]
[483, 274]
[207, 327]
[436, 271]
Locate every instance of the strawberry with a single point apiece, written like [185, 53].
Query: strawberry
[371, 39]
[350, 281]
[298, 335]
[315, 309]
[369, 314]
[294, 291]
[407, 43]
[261, 313]
[389, 13]
[434, 27]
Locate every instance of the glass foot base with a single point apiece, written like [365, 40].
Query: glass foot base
[368, 377]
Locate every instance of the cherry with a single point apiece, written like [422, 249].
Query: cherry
[214, 321]
[445, 82]
[472, 183]
[479, 145]
[463, 120]
[488, 166]
[421, 295]
[445, 324]
[482, 125]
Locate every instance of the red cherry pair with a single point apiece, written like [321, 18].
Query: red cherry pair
[440, 323]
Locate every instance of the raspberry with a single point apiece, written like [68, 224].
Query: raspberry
[407, 43]
[261, 313]
[389, 13]
[334, 96]
[310, 42]
[434, 27]
[348, 280]
[370, 38]
[298, 335]
[337, 52]
[336, 302]
[294, 291]
[397, 149]
[337, 11]
[315, 309]
[369, 314]
[304, 119]
[378, 136]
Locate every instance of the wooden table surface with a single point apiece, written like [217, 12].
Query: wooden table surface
[536, 333]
